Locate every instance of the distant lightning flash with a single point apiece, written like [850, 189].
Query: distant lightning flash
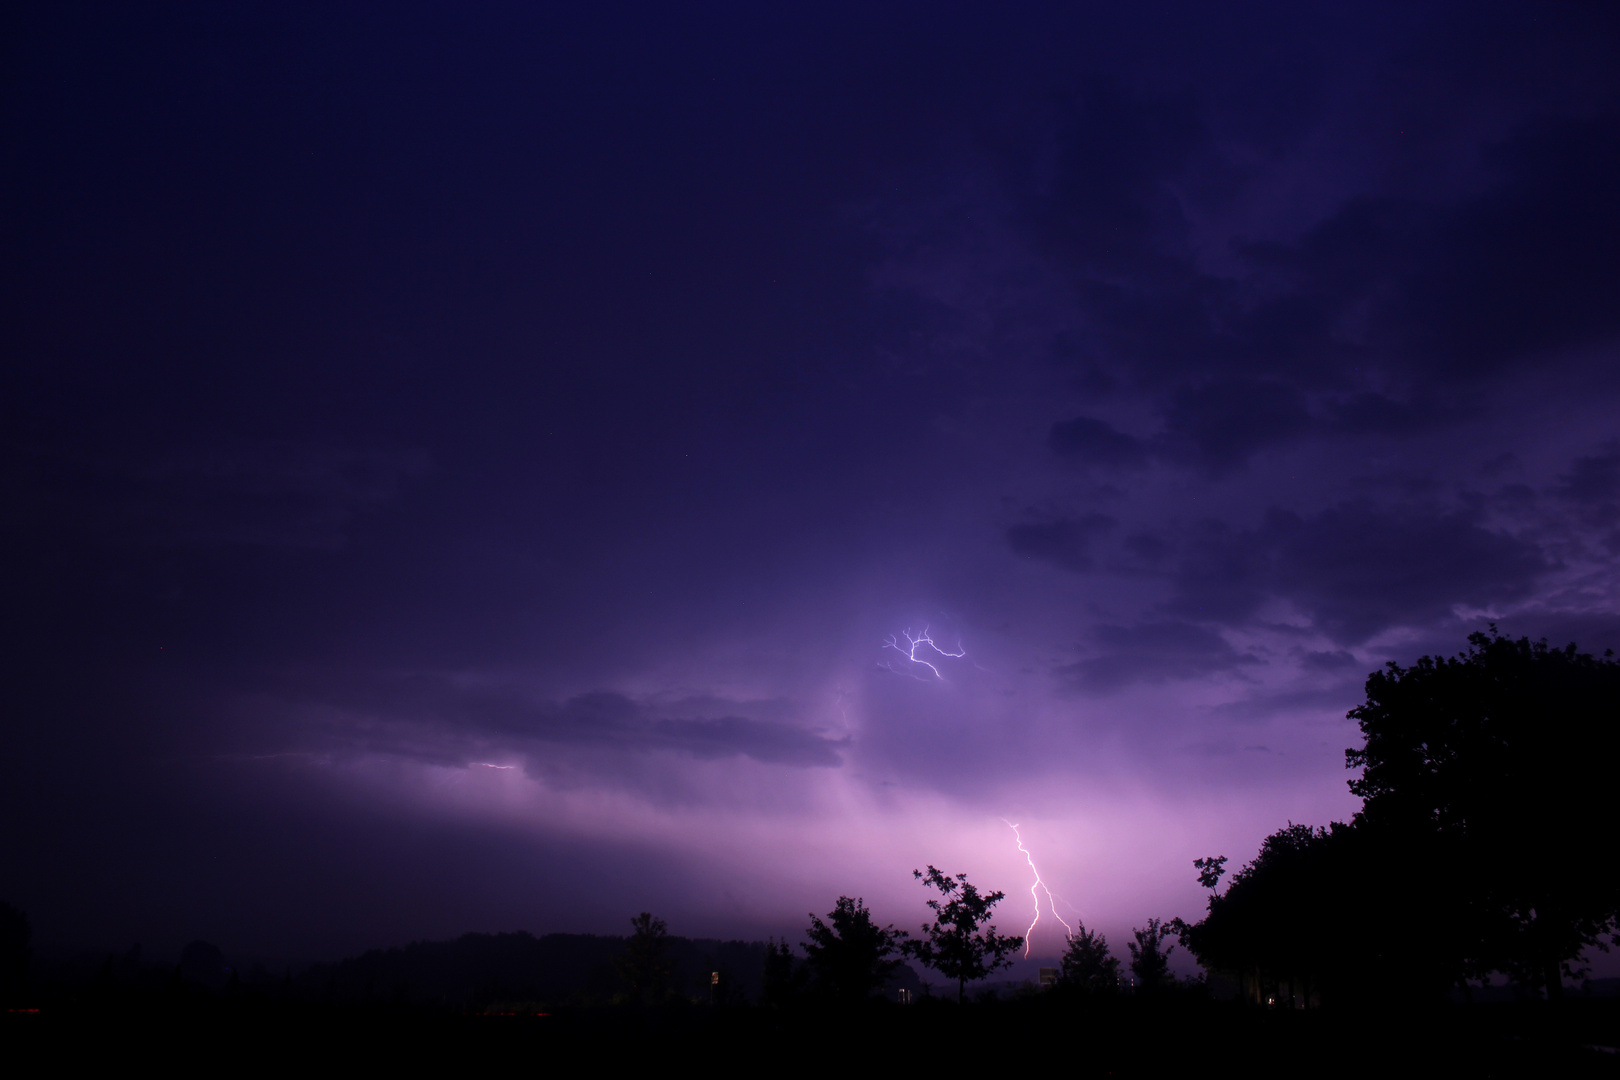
[1035, 891]
[914, 643]
[487, 765]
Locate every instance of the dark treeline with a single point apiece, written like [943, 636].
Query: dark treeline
[504, 972]
[514, 972]
[488, 970]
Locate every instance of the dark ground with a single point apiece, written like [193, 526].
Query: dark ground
[1121, 1038]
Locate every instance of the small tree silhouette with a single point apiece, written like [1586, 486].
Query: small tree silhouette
[781, 981]
[643, 965]
[1087, 964]
[953, 944]
[851, 957]
[1150, 957]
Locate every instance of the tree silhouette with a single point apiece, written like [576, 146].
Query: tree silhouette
[1478, 848]
[643, 965]
[954, 943]
[1150, 956]
[781, 981]
[203, 963]
[1210, 871]
[1087, 964]
[853, 957]
[1497, 764]
[1298, 918]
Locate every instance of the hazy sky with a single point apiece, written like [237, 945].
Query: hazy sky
[469, 467]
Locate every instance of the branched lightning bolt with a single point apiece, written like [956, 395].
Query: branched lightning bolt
[915, 643]
[1035, 891]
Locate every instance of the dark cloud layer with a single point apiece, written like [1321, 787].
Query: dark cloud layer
[1359, 571]
[1095, 442]
[1225, 422]
[439, 720]
[1356, 569]
[524, 430]
[1063, 541]
[1153, 652]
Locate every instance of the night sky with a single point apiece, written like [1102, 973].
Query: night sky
[466, 467]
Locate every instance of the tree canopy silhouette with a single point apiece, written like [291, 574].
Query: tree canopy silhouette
[1289, 923]
[1480, 846]
[954, 943]
[852, 956]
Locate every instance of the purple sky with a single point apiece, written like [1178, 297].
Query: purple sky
[462, 466]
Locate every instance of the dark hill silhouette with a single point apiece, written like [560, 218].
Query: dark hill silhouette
[477, 970]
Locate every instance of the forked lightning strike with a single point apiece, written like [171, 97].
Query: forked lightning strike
[915, 643]
[1035, 891]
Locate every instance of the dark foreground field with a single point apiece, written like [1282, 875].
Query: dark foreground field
[1120, 1038]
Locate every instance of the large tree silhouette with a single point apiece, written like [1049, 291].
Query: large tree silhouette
[1502, 758]
[1481, 845]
